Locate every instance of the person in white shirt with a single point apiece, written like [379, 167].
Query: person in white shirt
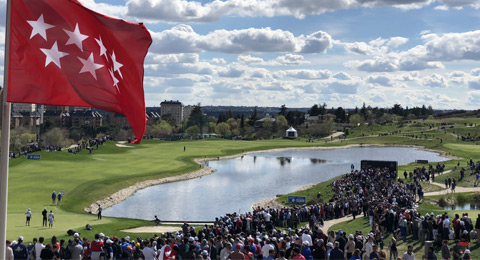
[307, 238]
[409, 255]
[38, 248]
[266, 248]
[29, 215]
[8, 251]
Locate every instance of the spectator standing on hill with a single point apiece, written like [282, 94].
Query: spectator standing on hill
[8, 251]
[39, 247]
[445, 250]
[28, 214]
[59, 198]
[20, 249]
[76, 250]
[409, 254]
[54, 197]
[44, 214]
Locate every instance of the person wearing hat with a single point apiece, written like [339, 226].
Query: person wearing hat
[76, 250]
[349, 246]
[204, 255]
[237, 255]
[337, 253]
[466, 255]
[28, 214]
[319, 251]
[20, 250]
[306, 251]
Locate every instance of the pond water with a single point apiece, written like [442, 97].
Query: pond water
[240, 182]
[466, 206]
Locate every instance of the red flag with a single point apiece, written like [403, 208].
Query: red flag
[62, 53]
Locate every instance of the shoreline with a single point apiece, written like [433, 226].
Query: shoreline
[124, 193]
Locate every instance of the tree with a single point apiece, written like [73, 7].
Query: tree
[193, 131]
[169, 119]
[281, 123]
[161, 129]
[267, 124]
[283, 110]
[356, 119]
[55, 137]
[197, 118]
[233, 123]
[222, 129]
[314, 110]
[397, 110]
[340, 114]
[242, 122]
[254, 117]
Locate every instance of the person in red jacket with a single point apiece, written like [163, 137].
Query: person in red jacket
[96, 247]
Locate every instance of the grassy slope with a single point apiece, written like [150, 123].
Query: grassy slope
[87, 177]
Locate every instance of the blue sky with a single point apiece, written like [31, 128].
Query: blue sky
[305, 52]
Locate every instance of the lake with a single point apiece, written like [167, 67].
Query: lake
[240, 182]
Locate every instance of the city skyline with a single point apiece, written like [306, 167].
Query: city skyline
[299, 53]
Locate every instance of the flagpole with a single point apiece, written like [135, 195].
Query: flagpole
[5, 142]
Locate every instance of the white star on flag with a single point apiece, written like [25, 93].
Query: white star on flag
[103, 50]
[40, 27]
[90, 66]
[53, 55]
[76, 37]
[116, 65]
[115, 80]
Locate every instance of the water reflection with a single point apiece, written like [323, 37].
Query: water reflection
[466, 206]
[240, 182]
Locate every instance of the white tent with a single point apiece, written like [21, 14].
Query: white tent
[291, 133]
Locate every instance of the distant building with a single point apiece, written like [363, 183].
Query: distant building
[24, 119]
[23, 107]
[187, 110]
[79, 118]
[172, 108]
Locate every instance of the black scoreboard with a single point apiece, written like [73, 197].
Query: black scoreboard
[391, 165]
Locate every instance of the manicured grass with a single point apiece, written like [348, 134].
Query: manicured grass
[85, 178]
[88, 177]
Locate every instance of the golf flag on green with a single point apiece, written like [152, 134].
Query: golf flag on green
[62, 53]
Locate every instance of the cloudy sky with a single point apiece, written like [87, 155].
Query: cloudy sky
[302, 52]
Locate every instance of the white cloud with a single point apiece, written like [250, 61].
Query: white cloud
[317, 42]
[306, 74]
[435, 81]
[231, 71]
[476, 72]
[382, 80]
[183, 39]
[458, 4]
[474, 83]
[219, 61]
[180, 11]
[117, 11]
[342, 76]
[395, 42]
[284, 60]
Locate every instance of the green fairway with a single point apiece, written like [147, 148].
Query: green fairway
[85, 178]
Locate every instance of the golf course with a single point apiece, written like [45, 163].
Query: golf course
[86, 178]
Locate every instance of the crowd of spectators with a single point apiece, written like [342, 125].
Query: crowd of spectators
[387, 203]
